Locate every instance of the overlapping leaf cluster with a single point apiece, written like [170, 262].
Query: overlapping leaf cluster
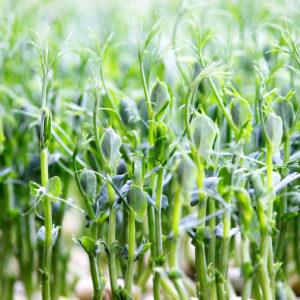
[177, 150]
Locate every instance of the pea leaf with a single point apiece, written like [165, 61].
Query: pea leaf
[185, 172]
[203, 133]
[89, 183]
[89, 245]
[244, 203]
[138, 202]
[110, 145]
[34, 188]
[54, 186]
[240, 112]
[142, 249]
[160, 98]
[128, 112]
[46, 128]
[285, 110]
[274, 130]
[41, 235]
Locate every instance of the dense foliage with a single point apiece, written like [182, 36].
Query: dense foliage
[149, 150]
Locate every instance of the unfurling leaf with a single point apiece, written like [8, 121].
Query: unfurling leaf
[34, 188]
[285, 110]
[89, 245]
[160, 98]
[138, 202]
[53, 186]
[138, 172]
[203, 133]
[110, 146]
[244, 203]
[159, 152]
[274, 130]
[142, 249]
[161, 143]
[240, 112]
[46, 128]
[185, 172]
[128, 112]
[41, 235]
[88, 182]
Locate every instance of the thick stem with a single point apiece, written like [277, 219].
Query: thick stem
[111, 244]
[262, 270]
[269, 213]
[283, 205]
[131, 252]
[152, 236]
[296, 243]
[148, 102]
[159, 246]
[200, 257]
[95, 278]
[222, 262]
[173, 252]
[46, 273]
[246, 258]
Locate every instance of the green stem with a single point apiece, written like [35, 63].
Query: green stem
[148, 102]
[200, 256]
[269, 166]
[246, 258]
[211, 253]
[262, 270]
[257, 291]
[296, 243]
[269, 257]
[158, 230]
[222, 263]
[111, 244]
[283, 205]
[173, 251]
[168, 288]
[57, 248]
[141, 282]
[97, 295]
[46, 275]
[131, 252]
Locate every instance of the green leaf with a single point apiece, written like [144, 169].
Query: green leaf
[88, 244]
[138, 202]
[246, 210]
[285, 110]
[224, 180]
[159, 152]
[110, 145]
[34, 188]
[142, 249]
[41, 235]
[88, 182]
[128, 112]
[138, 172]
[46, 128]
[240, 112]
[53, 186]
[185, 172]
[274, 130]
[203, 134]
[160, 98]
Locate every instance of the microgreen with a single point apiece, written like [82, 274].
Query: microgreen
[157, 161]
